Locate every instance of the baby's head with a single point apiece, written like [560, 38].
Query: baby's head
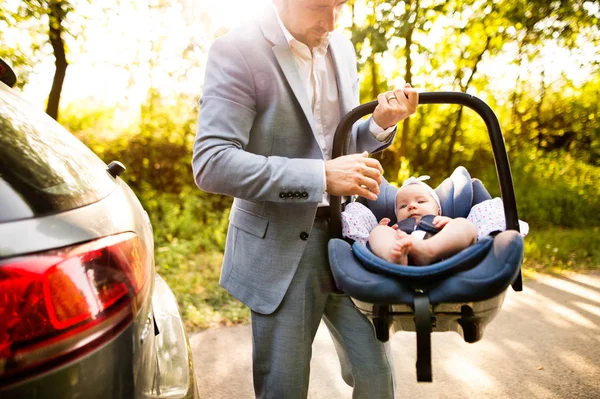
[416, 199]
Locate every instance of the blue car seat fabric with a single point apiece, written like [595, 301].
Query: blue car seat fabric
[385, 205]
[466, 259]
[490, 277]
[479, 272]
[458, 193]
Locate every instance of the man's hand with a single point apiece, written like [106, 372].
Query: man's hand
[395, 106]
[355, 174]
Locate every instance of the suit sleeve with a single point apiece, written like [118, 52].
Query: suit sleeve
[220, 161]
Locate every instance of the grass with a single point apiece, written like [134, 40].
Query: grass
[556, 250]
[194, 275]
[194, 278]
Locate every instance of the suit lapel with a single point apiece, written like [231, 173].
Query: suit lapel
[288, 66]
[344, 83]
[344, 78]
[285, 58]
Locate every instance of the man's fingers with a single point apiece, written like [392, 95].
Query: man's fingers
[373, 163]
[382, 99]
[412, 95]
[368, 183]
[363, 192]
[354, 174]
[400, 96]
[406, 96]
[373, 173]
[369, 167]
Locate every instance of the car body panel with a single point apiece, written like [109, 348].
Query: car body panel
[112, 215]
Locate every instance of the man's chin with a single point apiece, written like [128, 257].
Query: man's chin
[319, 39]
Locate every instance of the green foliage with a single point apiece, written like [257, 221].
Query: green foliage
[189, 215]
[157, 155]
[566, 118]
[557, 189]
[399, 32]
[94, 125]
[156, 151]
[552, 189]
[21, 54]
[194, 278]
[557, 249]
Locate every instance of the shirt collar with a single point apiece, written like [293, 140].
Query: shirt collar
[294, 43]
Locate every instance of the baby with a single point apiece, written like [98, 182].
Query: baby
[418, 211]
[415, 199]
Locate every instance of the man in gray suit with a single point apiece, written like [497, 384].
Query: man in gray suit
[274, 91]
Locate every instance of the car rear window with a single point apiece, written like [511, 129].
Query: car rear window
[44, 169]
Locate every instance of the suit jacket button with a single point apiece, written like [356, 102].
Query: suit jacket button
[282, 195]
[304, 236]
[290, 194]
[304, 194]
[297, 194]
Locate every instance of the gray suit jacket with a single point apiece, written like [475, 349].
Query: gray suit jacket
[256, 142]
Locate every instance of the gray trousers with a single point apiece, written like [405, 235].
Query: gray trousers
[282, 341]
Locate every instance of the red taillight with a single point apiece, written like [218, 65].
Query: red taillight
[49, 302]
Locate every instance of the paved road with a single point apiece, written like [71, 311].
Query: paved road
[545, 343]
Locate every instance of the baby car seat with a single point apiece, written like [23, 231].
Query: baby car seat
[462, 293]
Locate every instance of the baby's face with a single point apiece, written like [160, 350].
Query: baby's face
[415, 201]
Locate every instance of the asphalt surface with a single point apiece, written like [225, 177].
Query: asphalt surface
[545, 343]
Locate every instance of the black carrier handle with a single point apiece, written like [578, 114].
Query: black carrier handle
[496, 138]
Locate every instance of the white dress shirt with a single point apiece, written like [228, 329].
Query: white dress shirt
[318, 76]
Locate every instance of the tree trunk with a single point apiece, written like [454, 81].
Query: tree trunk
[408, 79]
[454, 135]
[374, 77]
[57, 15]
[538, 114]
[516, 98]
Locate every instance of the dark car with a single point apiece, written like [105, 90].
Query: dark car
[83, 313]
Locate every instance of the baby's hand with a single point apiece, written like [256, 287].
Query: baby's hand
[440, 221]
[386, 222]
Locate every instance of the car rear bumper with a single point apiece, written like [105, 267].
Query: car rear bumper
[174, 377]
[114, 370]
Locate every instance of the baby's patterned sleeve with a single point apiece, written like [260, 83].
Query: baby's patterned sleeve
[488, 217]
[357, 222]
